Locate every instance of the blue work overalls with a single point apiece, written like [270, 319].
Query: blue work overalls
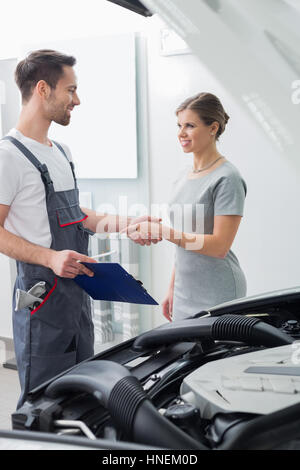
[59, 332]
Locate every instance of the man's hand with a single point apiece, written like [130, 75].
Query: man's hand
[144, 230]
[67, 263]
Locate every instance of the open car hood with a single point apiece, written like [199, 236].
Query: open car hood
[253, 46]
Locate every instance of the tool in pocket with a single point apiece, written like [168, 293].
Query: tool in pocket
[31, 298]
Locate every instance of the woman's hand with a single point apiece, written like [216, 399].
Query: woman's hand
[167, 305]
[144, 218]
[146, 232]
[153, 229]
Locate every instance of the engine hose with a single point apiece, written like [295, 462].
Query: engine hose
[249, 330]
[128, 404]
[265, 432]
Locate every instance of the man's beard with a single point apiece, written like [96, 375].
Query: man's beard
[65, 121]
[61, 117]
[58, 113]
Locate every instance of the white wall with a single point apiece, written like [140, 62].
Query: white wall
[267, 242]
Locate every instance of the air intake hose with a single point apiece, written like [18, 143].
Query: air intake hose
[249, 330]
[123, 396]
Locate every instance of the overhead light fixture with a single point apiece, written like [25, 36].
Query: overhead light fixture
[133, 5]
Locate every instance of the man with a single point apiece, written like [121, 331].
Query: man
[43, 227]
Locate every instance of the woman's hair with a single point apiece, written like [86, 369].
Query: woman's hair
[209, 109]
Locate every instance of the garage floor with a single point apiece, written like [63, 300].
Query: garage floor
[9, 395]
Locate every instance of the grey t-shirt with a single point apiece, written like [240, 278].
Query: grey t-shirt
[203, 281]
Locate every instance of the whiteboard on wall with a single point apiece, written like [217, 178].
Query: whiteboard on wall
[102, 133]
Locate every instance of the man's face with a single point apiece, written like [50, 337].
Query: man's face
[63, 98]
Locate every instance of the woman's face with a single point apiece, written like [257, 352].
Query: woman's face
[194, 136]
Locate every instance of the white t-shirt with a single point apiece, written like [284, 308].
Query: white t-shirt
[22, 188]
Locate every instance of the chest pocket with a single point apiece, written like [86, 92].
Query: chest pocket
[70, 215]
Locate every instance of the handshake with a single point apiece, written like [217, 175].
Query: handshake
[144, 230]
[67, 263]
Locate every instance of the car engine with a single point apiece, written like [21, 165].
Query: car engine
[228, 378]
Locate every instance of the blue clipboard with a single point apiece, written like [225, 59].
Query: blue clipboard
[113, 283]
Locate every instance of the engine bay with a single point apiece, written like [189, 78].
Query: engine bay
[224, 379]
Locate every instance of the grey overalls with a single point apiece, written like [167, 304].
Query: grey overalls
[58, 333]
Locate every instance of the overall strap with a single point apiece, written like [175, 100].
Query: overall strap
[71, 163]
[41, 167]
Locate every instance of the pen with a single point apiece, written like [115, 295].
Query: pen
[104, 254]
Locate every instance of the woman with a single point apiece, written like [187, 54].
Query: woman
[212, 195]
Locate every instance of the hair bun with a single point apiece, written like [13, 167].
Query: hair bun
[208, 108]
[226, 117]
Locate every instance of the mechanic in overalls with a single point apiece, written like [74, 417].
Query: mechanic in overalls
[43, 227]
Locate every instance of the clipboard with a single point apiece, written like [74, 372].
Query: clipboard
[113, 283]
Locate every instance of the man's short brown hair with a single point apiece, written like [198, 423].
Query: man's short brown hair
[44, 64]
